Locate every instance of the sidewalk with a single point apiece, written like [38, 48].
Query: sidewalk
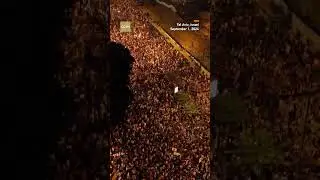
[197, 43]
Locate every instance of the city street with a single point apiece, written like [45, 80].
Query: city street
[197, 43]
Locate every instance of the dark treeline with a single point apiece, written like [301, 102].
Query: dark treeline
[121, 66]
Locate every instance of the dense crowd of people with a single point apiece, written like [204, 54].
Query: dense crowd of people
[276, 71]
[160, 140]
[270, 65]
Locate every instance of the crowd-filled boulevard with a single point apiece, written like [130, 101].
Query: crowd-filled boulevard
[160, 139]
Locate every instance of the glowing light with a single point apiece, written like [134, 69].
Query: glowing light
[176, 89]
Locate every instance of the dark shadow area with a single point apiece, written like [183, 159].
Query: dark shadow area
[307, 11]
[121, 63]
[42, 108]
[189, 9]
[268, 101]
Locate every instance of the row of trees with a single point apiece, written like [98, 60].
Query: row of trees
[121, 66]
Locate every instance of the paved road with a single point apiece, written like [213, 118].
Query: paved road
[196, 43]
[179, 48]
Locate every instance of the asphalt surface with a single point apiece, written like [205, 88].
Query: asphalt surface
[197, 43]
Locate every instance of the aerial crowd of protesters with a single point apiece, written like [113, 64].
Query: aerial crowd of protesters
[269, 64]
[159, 139]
